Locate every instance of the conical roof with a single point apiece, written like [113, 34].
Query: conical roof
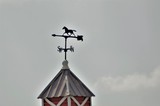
[65, 83]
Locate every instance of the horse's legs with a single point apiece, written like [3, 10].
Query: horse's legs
[73, 33]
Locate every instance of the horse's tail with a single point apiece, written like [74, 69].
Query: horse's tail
[74, 30]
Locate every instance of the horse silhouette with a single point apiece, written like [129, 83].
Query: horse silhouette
[68, 31]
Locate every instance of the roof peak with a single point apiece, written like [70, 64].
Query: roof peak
[65, 64]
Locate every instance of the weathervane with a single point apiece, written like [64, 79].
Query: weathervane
[69, 33]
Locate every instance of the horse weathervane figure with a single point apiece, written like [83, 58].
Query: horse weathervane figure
[68, 34]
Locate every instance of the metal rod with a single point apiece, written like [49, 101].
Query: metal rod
[65, 50]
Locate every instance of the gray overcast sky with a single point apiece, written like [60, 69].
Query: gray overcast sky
[119, 59]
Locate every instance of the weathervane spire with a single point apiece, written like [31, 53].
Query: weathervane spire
[69, 33]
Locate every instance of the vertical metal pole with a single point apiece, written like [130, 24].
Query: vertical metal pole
[65, 50]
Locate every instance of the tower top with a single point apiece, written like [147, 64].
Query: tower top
[69, 33]
[65, 83]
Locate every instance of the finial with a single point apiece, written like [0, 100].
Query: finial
[65, 64]
[69, 33]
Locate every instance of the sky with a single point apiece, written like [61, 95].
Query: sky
[119, 59]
